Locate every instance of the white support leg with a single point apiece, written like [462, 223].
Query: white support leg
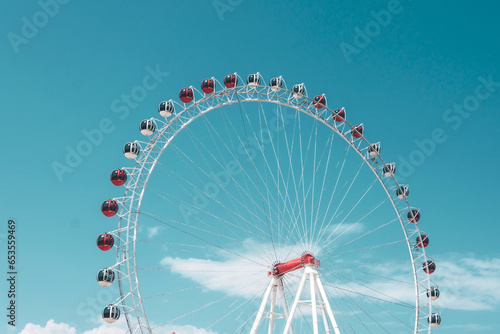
[325, 321]
[323, 313]
[283, 300]
[258, 319]
[295, 303]
[273, 305]
[327, 306]
[314, 306]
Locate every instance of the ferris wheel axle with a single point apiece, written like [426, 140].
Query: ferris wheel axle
[306, 259]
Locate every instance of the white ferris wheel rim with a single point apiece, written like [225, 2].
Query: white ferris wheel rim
[126, 231]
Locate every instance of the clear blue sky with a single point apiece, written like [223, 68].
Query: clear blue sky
[65, 76]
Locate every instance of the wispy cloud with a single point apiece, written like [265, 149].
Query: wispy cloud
[117, 328]
[153, 231]
[468, 327]
[469, 282]
[50, 328]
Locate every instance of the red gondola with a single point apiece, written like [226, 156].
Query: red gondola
[118, 177]
[319, 101]
[186, 95]
[109, 208]
[422, 241]
[357, 131]
[338, 115]
[208, 86]
[429, 266]
[105, 241]
[230, 81]
[414, 215]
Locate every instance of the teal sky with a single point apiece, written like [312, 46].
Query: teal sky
[72, 74]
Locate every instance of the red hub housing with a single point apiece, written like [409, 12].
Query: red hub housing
[300, 262]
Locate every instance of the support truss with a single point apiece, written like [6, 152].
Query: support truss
[318, 303]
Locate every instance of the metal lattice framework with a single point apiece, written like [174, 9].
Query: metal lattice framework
[126, 266]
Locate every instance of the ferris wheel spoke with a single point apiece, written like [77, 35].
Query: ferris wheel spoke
[201, 169]
[349, 302]
[339, 254]
[290, 173]
[334, 191]
[231, 197]
[168, 222]
[257, 175]
[373, 276]
[353, 207]
[347, 191]
[231, 126]
[329, 239]
[360, 219]
[204, 285]
[265, 184]
[368, 233]
[283, 221]
[329, 144]
[183, 248]
[301, 202]
[224, 222]
[209, 304]
[261, 149]
[232, 309]
[388, 299]
[382, 296]
[375, 301]
[224, 164]
[355, 314]
[268, 168]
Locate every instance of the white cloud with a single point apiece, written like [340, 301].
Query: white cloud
[468, 327]
[105, 329]
[50, 328]
[117, 328]
[247, 273]
[187, 329]
[153, 231]
[346, 229]
[244, 275]
[468, 282]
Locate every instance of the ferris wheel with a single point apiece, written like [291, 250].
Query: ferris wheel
[254, 208]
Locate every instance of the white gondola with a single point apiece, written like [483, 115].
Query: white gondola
[403, 192]
[111, 313]
[433, 293]
[131, 150]
[299, 91]
[276, 84]
[147, 127]
[253, 80]
[105, 277]
[434, 320]
[166, 108]
[374, 149]
[389, 169]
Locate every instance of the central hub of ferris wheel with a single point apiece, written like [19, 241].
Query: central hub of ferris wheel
[317, 301]
[306, 259]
